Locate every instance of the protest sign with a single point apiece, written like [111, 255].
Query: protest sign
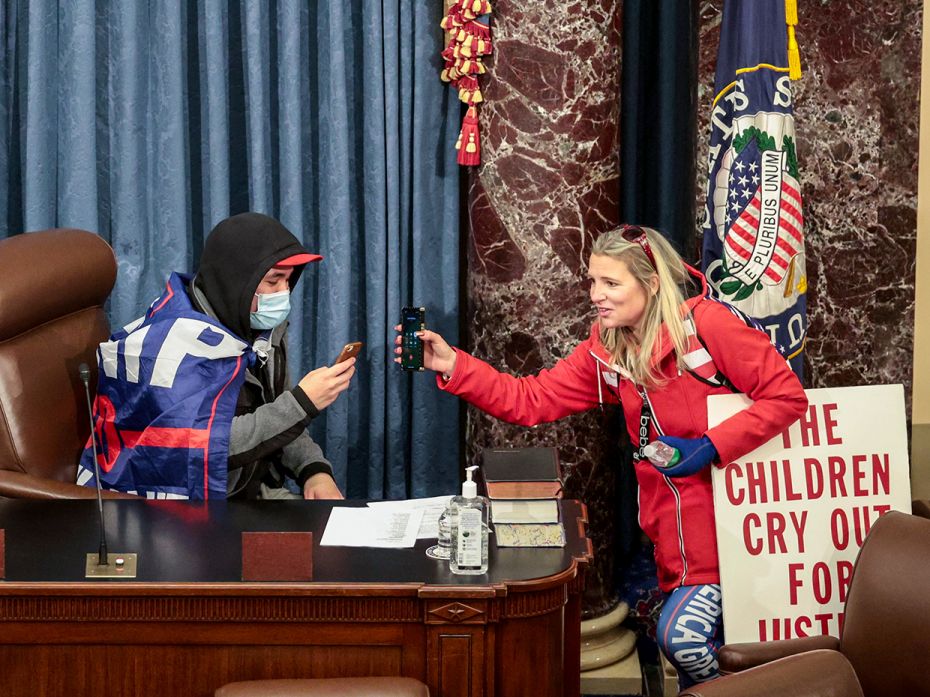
[792, 514]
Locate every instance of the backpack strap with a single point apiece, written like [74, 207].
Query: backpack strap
[698, 361]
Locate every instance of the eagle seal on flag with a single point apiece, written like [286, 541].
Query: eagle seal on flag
[758, 216]
[753, 227]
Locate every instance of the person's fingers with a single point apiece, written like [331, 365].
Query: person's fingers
[427, 335]
[342, 366]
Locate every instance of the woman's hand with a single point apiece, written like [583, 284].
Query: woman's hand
[323, 385]
[437, 354]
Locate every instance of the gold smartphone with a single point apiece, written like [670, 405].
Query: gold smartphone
[349, 351]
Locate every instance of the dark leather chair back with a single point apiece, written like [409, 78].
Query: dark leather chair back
[885, 634]
[53, 285]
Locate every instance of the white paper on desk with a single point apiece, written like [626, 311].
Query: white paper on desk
[371, 527]
[432, 508]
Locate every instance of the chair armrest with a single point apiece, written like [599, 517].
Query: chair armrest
[921, 507]
[19, 485]
[734, 658]
[818, 673]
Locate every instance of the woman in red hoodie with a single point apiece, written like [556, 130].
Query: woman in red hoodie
[660, 346]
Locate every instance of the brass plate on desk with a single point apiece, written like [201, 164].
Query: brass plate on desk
[126, 569]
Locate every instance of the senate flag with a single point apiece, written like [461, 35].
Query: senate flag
[753, 225]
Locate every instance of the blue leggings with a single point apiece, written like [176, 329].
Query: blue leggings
[690, 632]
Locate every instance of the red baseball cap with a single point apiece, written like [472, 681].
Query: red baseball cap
[299, 260]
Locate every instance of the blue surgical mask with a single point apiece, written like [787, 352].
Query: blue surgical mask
[273, 309]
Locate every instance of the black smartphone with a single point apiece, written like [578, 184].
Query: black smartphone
[412, 320]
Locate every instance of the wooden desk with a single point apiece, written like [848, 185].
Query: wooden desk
[187, 624]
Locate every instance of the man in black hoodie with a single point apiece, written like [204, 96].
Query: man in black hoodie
[249, 265]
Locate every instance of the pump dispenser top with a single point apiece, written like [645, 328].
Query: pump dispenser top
[469, 487]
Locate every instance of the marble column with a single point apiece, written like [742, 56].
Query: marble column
[547, 186]
[856, 114]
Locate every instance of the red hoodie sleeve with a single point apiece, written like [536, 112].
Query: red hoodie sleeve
[748, 359]
[569, 387]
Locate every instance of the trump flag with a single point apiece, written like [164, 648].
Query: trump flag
[753, 226]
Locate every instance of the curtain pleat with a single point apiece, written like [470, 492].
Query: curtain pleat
[149, 122]
[658, 118]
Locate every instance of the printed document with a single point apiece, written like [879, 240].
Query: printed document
[371, 527]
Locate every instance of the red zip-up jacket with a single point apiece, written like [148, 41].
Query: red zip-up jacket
[676, 513]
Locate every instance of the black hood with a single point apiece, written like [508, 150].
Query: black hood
[239, 251]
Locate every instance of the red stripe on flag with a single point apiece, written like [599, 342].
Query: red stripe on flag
[787, 188]
[787, 248]
[167, 298]
[795, 212]
[206, 453]
[793, 231]
[739, 251]
[158, 437]
[747, 234]
[779, 260]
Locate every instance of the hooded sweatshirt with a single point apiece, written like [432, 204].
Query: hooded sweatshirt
[268, 437]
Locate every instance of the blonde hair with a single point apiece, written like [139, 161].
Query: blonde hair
[665, 306]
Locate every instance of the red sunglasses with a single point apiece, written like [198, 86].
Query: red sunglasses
[634, 233]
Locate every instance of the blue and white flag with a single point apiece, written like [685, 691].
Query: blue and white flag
[167, 391]
[753, 217]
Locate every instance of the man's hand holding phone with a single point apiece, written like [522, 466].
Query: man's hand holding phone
[324, 384]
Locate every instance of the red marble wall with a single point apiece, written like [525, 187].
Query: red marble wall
[856, 116]
[547, 186]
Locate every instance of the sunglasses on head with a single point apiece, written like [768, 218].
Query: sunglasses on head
[635, 234]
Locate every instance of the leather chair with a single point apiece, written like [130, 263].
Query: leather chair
[326, 687]
[921, 507]
[884, 647]
[52, 288]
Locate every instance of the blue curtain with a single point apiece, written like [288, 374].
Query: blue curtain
[148, 121]
[658, 107]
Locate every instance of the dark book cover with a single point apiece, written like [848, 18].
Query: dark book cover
[521, 473]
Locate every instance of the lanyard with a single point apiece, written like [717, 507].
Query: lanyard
[645, 417]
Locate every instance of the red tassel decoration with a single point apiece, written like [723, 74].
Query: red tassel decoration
[469, 144]
[468, 32]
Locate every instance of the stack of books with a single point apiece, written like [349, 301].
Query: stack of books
[523, 486]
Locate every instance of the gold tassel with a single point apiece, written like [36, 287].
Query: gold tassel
[794, 54]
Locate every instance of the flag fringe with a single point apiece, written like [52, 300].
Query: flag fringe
[794, 53]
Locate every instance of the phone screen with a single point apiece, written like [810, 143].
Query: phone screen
[413, 319]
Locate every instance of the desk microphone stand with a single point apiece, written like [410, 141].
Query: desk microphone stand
[101, 564]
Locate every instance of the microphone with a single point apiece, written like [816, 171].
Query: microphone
[105, 565]
[102, 556]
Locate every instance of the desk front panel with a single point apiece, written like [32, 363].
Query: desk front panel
[187, 625]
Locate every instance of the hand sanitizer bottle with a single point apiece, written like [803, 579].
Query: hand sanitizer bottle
[470, 534]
